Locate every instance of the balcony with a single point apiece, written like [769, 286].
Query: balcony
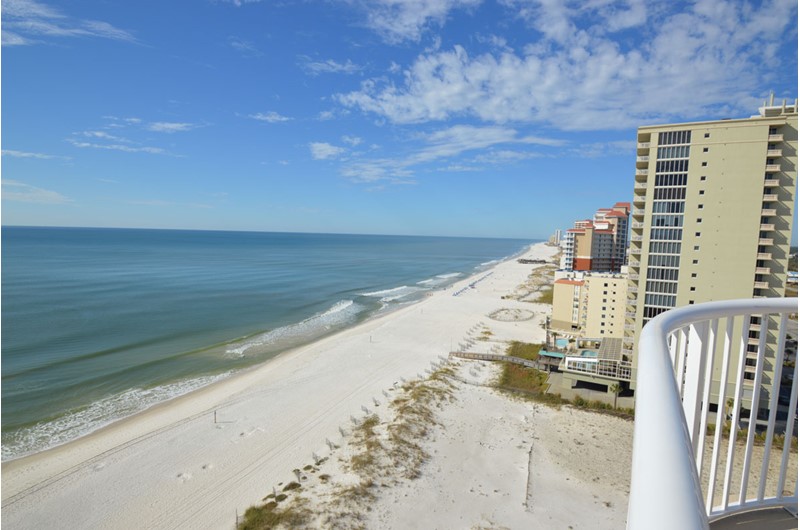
[771, 183]
[770, 197]
[643, 145]
[633, 276]
[767, 227]
[764, 255]
[640, 185]
[641, 172]
[763, 270]
[761, 285]
[772, 168]
[775, 138]
[774, 152]
[637, 225]
[637, 212]
[683, 473]
[768, 212]
[765, 241]
[635, 251]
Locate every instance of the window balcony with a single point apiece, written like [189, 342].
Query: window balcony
[767, 227]
[675, 436]
[764, 255]
[640, 185]
[637, 225]
[641, 171]
[775, 138]
[636, 251]
[638, 212]
[643, 145]
[772, 168]
[633, 276]
[774, 152]
[765, 241]
[761, 285]
[763, 270]
[771, 183]
[768, 212]
[770, 197]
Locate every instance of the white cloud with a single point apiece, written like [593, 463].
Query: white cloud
[443, 145]
[583, 72]
[25, 154]
[247, 48]
[269, 117]
[21, 192]
[170, 127]
[329, 67]
[28, 21]
[118, 147]
[400, 20]
[352, 140]
[325, 151]
[104, 136]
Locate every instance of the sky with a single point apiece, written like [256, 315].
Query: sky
[484, 118]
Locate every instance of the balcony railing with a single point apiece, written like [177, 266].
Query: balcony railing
[775, 138]
[772, 168]
[771, 182]
[774, 152]
[641, 171]
[670, 453]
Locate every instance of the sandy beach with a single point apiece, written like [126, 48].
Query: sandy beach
[199, 460]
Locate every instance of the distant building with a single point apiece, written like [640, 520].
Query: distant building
[712, 218]
[586, 329]
[555, 239]
[597, 244]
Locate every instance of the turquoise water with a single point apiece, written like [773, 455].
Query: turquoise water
[98, 324]
[562, 343]
[588, 353]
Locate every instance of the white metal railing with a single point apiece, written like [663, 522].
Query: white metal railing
[704, 345]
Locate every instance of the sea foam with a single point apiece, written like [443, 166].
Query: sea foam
[81, 422]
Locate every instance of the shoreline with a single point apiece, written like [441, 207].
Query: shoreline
[291, 404]
[226, 375]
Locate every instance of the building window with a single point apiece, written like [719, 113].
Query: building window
[699, 206]
[692, 289]
[702, 192]
[697, 234]
[704, 164]
[705, 149]
[707, 135]
[691, 302]
[697, 247]
[694, 275]
[699, 220]
[694, 262]
[703, 177]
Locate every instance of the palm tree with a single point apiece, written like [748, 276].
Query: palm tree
[616, 388]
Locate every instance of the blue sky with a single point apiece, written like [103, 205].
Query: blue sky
[506, 118]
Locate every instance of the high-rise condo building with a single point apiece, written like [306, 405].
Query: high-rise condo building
[597, 244]
[712, 218]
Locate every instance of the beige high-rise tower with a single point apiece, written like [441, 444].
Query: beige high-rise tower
[712, 214]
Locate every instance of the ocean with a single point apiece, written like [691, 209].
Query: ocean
[99, 324]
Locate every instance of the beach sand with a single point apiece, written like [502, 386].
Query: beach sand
[199, 460]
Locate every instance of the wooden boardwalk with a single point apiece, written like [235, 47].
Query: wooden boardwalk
[493, 357]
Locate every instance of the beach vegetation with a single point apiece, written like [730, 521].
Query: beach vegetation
[524, 350]
[546, 295]
[296, 514]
